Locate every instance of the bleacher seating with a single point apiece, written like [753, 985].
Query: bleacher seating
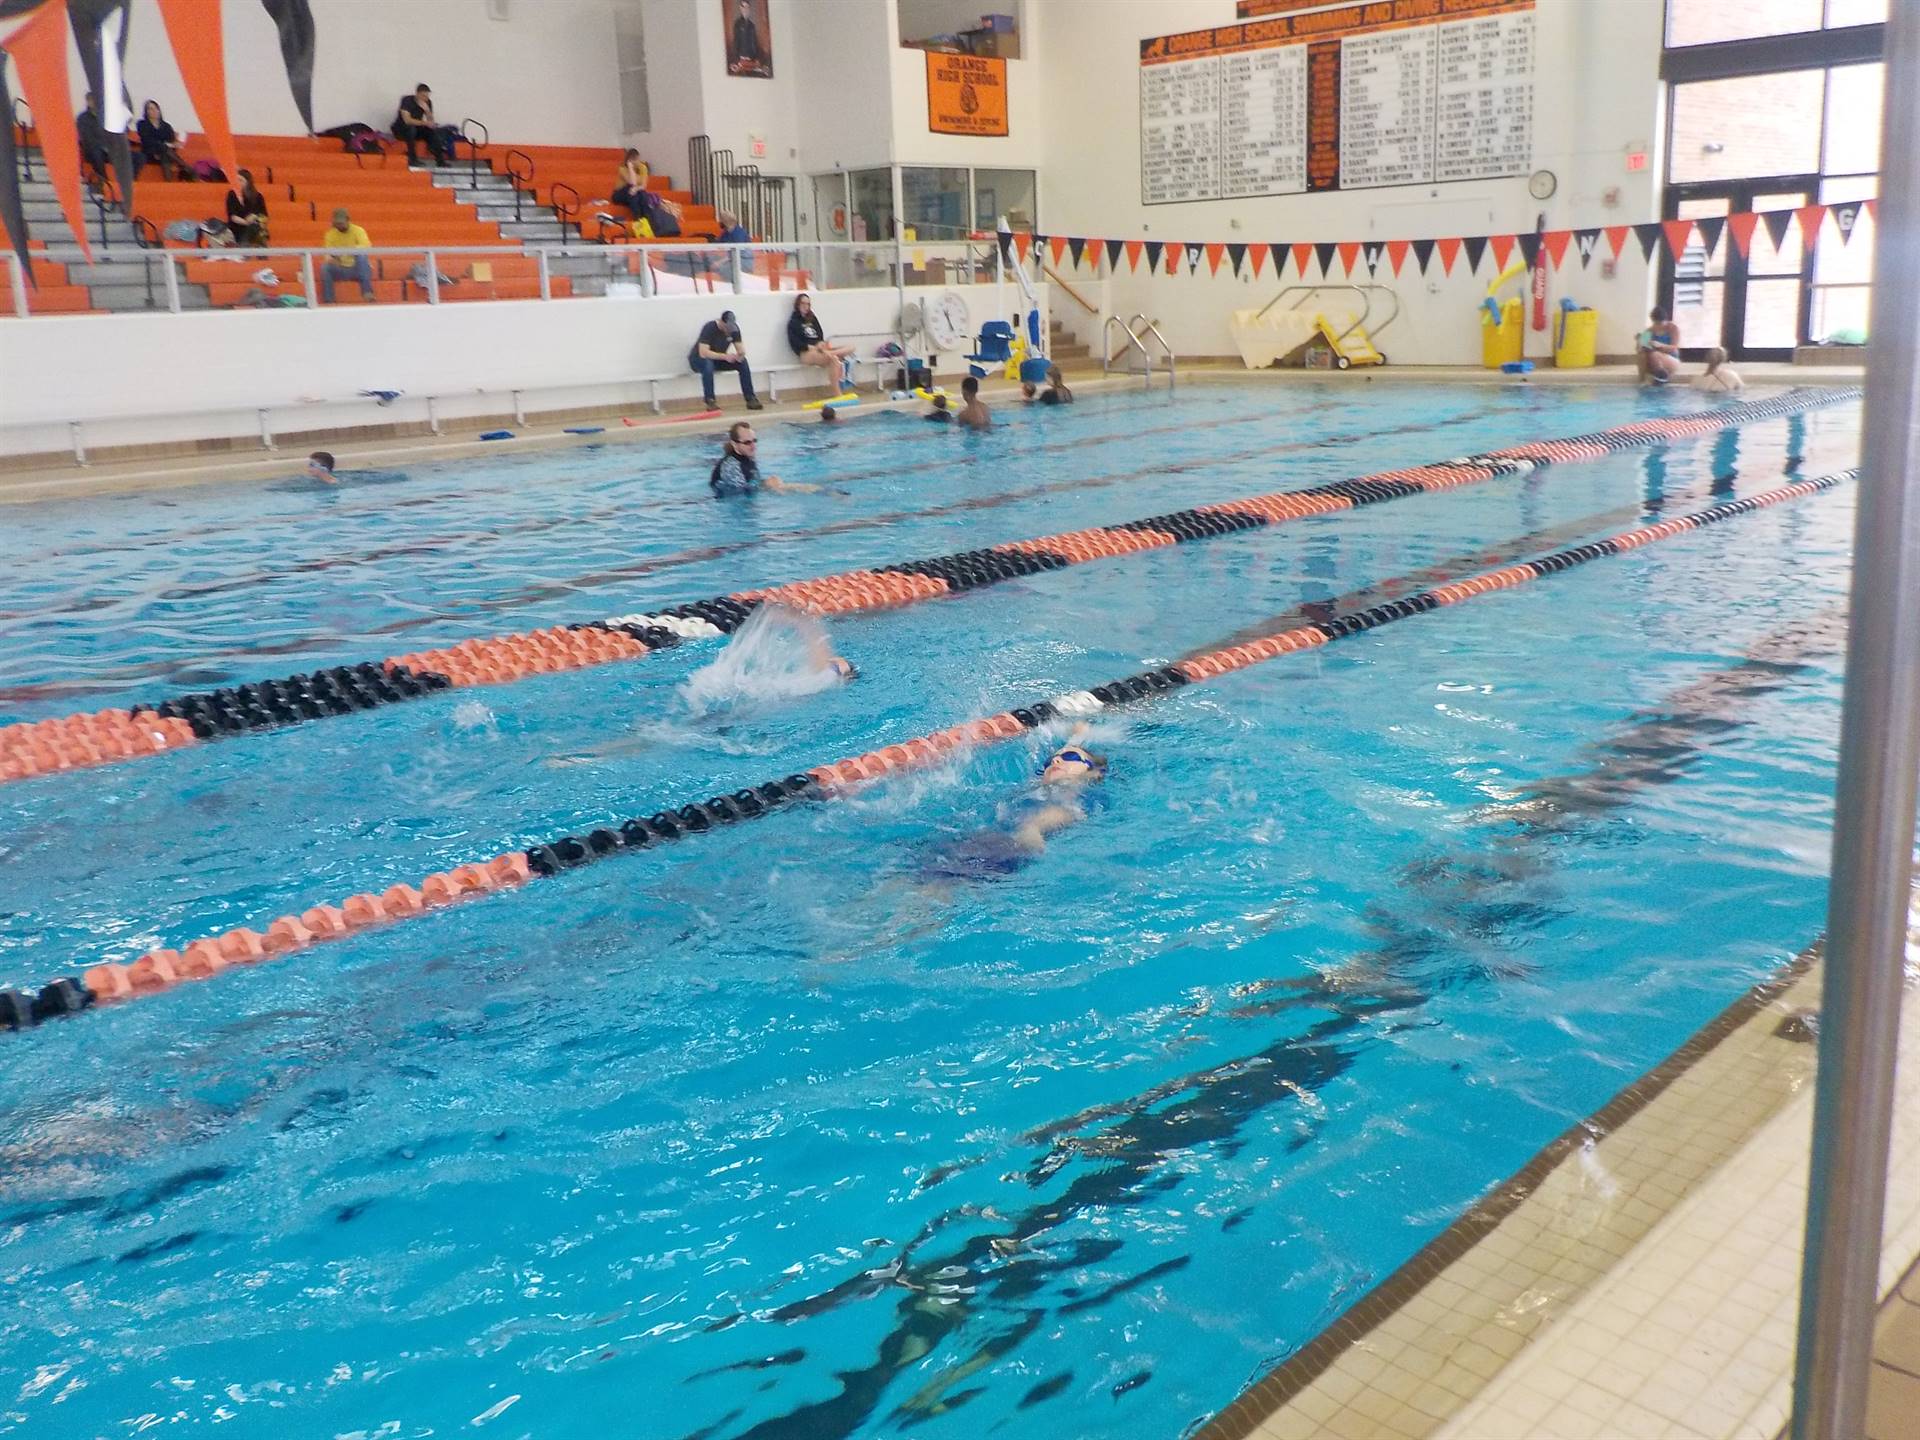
[303, 179]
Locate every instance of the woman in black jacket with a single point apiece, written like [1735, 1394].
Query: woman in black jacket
[159, 144]
[247, 212]
[810, 343]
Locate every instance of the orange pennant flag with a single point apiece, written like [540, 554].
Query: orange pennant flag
[1502, 247]
[1349, 252]
[1556, 242]
[1679, 232]
[1449, 247]
[1397, 253]
[1133, 254]
[1302, 253]
[193, 30]
[1811, 217]
[1214, 254]
[1258, 254]
[1022, 244]
[1058, 245]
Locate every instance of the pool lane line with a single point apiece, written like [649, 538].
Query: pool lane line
[698, 555]
[161, 969]
[81, 741]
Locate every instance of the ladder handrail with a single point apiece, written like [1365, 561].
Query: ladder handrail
[1106, 353]
[1166, 349]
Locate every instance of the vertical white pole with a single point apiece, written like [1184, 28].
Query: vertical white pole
[1873, 817]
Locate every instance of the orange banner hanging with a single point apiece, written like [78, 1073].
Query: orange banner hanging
[39, 50]
[966, 94]
[193, 30]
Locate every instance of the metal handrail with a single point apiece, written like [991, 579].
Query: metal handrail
[1106, 350]
[26, 151]
[516, 177]
[565, 209]
[1166, 349]
[474, 147]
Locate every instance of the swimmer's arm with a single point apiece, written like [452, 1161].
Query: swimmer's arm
[1033, 832]
[774, 482]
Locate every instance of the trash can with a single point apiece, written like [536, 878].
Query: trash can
[1504, 341]
[1573, 342]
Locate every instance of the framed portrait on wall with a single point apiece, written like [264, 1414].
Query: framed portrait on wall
[749, 38]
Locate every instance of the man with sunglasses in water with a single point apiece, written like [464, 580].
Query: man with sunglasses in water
[737, 471]
[1067, 788]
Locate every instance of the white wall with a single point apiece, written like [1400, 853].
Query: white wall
[202, 374]
[1595, 98]
[548, 74]
[676, 85]
[844, 84]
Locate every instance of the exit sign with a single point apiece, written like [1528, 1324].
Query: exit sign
[1636, 160]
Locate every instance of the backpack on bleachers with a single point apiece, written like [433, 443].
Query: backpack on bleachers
[357, 139]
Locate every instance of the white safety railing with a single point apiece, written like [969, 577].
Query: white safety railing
[178, 279]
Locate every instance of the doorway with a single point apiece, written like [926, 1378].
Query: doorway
[1754, 305]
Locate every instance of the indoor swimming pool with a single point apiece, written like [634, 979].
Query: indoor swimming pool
[793, 1129]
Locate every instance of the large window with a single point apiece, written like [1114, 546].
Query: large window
[1712, 22]
[1758, 122]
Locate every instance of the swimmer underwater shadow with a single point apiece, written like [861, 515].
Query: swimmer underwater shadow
[1661, 747]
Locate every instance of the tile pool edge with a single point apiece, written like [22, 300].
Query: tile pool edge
[1278, 1391]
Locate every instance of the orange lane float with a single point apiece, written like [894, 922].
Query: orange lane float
[46, 746]
[161, 969]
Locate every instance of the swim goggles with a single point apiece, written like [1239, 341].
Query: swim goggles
[1074, 755]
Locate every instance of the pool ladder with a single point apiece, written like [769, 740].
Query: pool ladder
[1136, 331]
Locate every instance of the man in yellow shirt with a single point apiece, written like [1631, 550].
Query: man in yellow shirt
[341, 262]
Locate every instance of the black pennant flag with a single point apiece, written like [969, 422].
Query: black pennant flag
[1710, 227]
[1649, 236]
[1193, 257]
[1324, 251]
[1237, 253]
[1529, 243]
[1114, 247]
[1374, 252]
[1423, 252]
[1006, 247]
[1776, 222]
[1282, 252]
[1586, 242]
[1154, 247]
[1076, 247]
[1475, 246]
[1846, 216]
[1040, 246]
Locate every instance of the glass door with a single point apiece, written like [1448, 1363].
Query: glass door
[1755, 305]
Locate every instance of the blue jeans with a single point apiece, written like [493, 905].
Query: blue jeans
[332, 271]
[704, 368]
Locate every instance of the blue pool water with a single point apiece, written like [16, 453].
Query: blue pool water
[766, 1135]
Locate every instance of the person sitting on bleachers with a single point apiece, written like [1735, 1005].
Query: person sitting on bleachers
[247, 212]
[661, 215]
[342, 243]
[93, 140]
[159, 145]
[415, 123]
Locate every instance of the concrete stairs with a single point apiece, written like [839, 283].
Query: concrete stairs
[124, 275]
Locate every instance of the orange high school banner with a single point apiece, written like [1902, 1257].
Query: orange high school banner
[966, 94]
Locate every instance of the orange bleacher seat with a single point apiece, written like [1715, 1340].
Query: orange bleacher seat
[58, 300]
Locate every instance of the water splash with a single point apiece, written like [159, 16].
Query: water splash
[779, 654]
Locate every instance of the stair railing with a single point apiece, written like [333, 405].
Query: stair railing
[700, 169]
[474, 147]
[22, 121]
[520, 168]
[567, 210]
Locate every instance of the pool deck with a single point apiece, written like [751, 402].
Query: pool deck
[169, 467]
[1638, 1279]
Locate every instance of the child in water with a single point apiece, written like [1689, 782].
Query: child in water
[1066, 789]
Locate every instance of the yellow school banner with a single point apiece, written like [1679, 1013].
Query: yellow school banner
[966, 94]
